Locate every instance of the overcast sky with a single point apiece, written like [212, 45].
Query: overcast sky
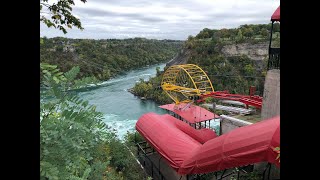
[162, 19]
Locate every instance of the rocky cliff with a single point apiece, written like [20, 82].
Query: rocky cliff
[257, 52]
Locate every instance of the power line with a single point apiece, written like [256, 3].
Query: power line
[216, 75]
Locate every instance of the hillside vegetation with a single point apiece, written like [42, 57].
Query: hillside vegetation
[104, 59]
[233, 73]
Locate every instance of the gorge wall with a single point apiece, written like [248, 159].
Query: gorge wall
[257, 52]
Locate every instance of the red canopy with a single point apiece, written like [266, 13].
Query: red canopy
[192, 114]
[170, 142]
[242, 146]
[276, 15]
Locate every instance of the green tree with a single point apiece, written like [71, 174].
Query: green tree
[225, 33]
[239, 35]
[72, 134]
[233, 33]
[264, 32]
[74, 141]
[248, 32]
[190, 38]
[205, 33]
[59, 14]
[158, 71]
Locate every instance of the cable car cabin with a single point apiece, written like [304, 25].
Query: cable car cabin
[274, 52]
[196, 116]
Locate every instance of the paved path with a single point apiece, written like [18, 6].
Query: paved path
[231, 109]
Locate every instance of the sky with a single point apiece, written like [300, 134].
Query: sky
[161, 19]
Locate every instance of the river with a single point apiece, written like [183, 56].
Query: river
[122, 109]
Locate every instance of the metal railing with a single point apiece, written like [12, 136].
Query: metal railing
[144, 150]
[274, 58]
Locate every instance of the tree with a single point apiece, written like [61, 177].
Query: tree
[264, 32]
[217, 35]
[256, 29]
[233, 33]
[158, 71]
[72, 133]
[75, 143]
[205, 33]
[239, 35]
[248, 32]
[59, 14]
[225, 33]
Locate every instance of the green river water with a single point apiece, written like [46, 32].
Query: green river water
[122, 109]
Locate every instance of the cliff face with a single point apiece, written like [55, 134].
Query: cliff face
[257, 52]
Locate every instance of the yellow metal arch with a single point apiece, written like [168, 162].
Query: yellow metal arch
[186, 80]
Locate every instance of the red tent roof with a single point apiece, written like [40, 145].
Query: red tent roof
[242, 146]
[192, 114]
[170, 142]
[276, 15]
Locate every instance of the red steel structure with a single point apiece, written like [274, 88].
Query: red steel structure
[252, 100]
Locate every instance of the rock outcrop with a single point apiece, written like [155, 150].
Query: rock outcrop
[257, 52]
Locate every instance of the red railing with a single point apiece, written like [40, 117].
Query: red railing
[252, 100]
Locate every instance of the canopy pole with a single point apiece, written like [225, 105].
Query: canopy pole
[270, 44]
[159, 164]
[264, 172]
[271, 35]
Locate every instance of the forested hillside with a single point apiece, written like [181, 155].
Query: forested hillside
[106, 58]
[234, 72]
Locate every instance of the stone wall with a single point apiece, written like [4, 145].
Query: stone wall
[229, 123]
[271, 95]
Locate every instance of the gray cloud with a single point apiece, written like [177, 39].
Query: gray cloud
[109, 14]
[163, 19]
[132, 3]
